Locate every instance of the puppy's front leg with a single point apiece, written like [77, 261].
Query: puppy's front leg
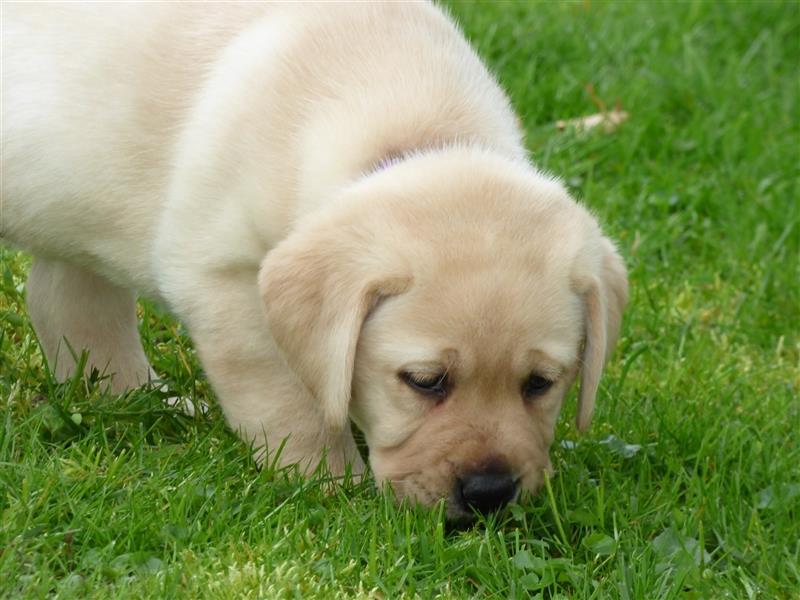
[261, 397]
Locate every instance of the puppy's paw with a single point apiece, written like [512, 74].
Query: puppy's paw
[186, 406]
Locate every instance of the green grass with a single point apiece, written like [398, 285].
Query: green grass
[687, 485]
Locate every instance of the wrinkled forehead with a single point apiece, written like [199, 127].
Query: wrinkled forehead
[491, 314]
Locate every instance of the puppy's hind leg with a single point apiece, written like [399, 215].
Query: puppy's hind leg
[73, 308]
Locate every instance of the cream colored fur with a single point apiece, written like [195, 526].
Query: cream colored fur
[325, 194]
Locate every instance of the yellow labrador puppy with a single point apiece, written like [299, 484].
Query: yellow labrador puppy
[336, 200]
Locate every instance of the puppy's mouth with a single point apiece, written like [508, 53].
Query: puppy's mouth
[470, 495]
[482, 494]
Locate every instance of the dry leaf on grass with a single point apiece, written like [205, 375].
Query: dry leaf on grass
[609, 120]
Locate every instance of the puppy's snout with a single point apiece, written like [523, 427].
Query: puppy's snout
[485, 492]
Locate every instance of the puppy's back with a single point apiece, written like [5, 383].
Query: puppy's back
[93, 99]
[106, 106]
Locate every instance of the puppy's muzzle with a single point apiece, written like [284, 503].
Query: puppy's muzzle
[485, 492]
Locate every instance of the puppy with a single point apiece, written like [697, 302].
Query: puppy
[336, 201]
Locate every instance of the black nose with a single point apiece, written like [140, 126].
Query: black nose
[485, 492]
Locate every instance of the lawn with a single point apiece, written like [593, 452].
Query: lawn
[688, 483]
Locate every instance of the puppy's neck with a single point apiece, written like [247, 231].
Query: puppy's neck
[390, 158]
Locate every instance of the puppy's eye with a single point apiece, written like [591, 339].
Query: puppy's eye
[536, 386]
[430, 384]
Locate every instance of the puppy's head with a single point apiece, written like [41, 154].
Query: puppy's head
[446, 304]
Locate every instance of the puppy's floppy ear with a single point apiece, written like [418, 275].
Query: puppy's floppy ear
[605, 293]
[318, 287]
